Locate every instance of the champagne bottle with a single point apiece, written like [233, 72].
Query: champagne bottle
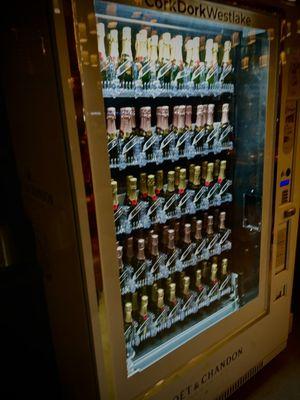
[188, 117]
[181, 126]
[198, 233]
[211, 61]
[112, 133]
[113, 51]
[222, 227]
[146, 129]
[143, 314]
[191, 175]
[143, 193]
[129, 254]
[154, 254]
[186, 242]
[126, 130]
[132, 198]
[209, 229]
[177, 237]
[170, 192]
[114, 186]
[133, 122]
[220, 53]
[135, 305]
[142, 61]
[225, 122]
[154, 289]
[188, 46]
[205, 272]
[200, 125]
[140, 257]
[171, 249]
[148, 243]
[182, 182]
[102, 51]
[172, 300]
[153, 54]
[120, 258]
[198, 281]
[164, 240]
[224, 269]
[164, 57]
[209, 176]
[177, 72]
[210, 122]
[196, 180]
[160, 304]
[125, 67]
[221, 176]
[175, 118]
[227, 70]
[151, 190]
[186, 294]
[199, 68]
[204, 172]
[162, 127]
[216, 170]
[159, 190]
[214, 277]
[177, 177]
[128, 315]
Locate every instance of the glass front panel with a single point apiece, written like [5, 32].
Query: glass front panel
[185, 103]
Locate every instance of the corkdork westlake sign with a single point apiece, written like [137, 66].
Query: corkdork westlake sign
[190, 390]
[201, 10]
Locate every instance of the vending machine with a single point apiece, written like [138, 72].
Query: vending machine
[176, 279]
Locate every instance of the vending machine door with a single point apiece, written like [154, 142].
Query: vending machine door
[179, 105]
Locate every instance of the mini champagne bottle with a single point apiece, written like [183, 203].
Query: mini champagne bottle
[142, 62]
[164, 58]
[129, 254]
[227, 69]
[209, 181]
[170, 192]
[112, 134]
[198, 233]
[182, 182]
[225, 123]
[160, 304]
[102, 51]
[172, 299]
[120, 258]
[181, 126]
[221, 177]
[159, 177]
[212, 62]
[199, 126]
[177, 72]
[203, 172]
[146, 129]
[128, 316]
[132, 200]
[140, 258]
[191, 175]
[126, 130]
[198, 281]
[113, 51]
[151, 194]
[216, 170]
[214, 275]
[114, 186]
[224, 269]
[143, 314]
[222, 218]
[186, 293]
[210, 123]
[143, 192]
[196, 181]
[209, 230]
[153, 54]
[188, 117]
[125, 67]
[171, 249]
[186, 242]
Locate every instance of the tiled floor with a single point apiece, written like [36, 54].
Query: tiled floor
[280, 379]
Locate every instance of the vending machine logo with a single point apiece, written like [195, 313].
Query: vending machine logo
[201, 10]
[208, 376]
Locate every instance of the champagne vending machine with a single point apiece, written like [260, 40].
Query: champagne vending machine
[166, 276]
